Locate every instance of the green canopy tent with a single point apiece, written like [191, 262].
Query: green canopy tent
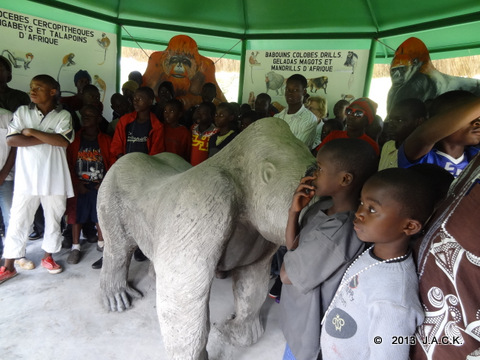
[230, 28]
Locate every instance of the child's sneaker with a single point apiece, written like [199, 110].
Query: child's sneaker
[25, 264]
[6, 274]
[50, 264]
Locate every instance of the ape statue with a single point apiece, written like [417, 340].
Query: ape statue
[414, 76]
[227, 213]
[184, 67]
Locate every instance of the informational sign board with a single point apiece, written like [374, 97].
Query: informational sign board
[332, 74]
[36, 46]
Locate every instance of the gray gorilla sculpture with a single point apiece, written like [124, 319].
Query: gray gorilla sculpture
[228, 212]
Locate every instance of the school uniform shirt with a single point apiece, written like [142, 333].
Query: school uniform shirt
[42, 169]
[327, 245]
[375, 311]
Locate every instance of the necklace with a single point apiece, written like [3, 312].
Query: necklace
[347, 281]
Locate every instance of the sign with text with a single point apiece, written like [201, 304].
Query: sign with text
[332, 74]
[39, 46]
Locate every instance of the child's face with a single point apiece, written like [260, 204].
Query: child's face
[222, 118]
[356, 118]
[467, 136]
[91, 98]
[141, 102]
[339, 111]
[294, 93]
[400, 124]
[208, 94]
[90, 118]
[81, 83]
[120, 107]
[128, 93]
[326, 129]
[262, 105]
[328, 178]
[379, 217]
[202, 116]
[171, 114]
[41, 93]
[164, 95]
[245, 122]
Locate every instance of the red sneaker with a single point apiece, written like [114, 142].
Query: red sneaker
[6, 274]
[50, 264]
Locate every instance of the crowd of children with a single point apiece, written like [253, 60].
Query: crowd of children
[350, 284]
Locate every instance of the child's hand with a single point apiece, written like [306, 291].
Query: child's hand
[303, 194]
[27, 132]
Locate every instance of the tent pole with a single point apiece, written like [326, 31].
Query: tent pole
[371, 63]
[242, 70]
[119, 57]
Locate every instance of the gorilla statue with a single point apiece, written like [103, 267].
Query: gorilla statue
[227, 213]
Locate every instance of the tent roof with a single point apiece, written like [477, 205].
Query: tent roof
[217, 26]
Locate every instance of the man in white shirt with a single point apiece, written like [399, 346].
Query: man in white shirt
[302, 121]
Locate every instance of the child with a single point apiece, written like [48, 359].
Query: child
[165, 93]
[10, 99]
[447, 139]
[74, 103]
[41, 132]
[247, 119]
[139, 131]
[322, 246]
[376, 308]
[89, 159]
[91, 96]
[404, 117]
[302, 122]
[329, 126]
[360, 114]
[339, 112]
[224, 118]
[202, 130]
[119, 105]
[178, 139]
[263, 106]
[128, 90]
[209, 93]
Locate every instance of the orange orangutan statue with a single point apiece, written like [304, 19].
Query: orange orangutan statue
[184, 67]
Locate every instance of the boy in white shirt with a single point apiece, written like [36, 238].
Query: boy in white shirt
[41, 132]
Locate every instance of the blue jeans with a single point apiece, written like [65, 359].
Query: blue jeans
[6, 196]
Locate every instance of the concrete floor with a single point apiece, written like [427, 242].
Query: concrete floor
[46, 316]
